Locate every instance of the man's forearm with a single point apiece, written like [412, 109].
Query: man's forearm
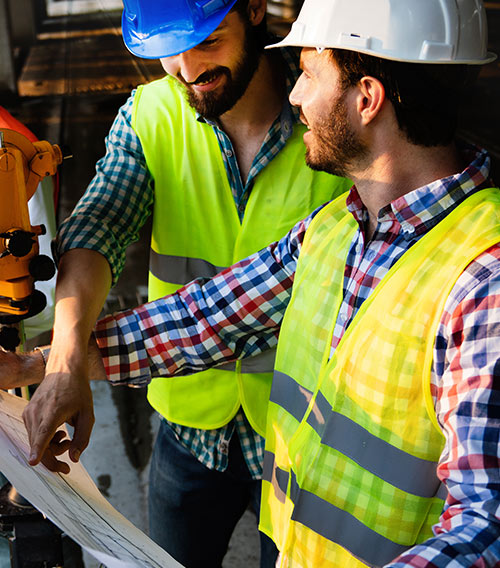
[20, 369]
[24, 369]
[64, 395]
[83, 284]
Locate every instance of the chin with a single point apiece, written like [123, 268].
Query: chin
[313, 161]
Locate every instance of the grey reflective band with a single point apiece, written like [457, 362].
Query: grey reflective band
[329, 521]
[276, 476]
[342, 528]
[261, 363]
[442, 492]
[180, 269]
[290, 395]
[402, 470]
[408, 473]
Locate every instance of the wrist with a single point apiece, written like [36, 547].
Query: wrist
[24, 368]
[34, 364]
[70, 340]
[66, 357]
[43, 352]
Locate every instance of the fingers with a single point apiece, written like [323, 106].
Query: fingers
[57, 446]
[39, 434]
[83, 428]
[53, 404]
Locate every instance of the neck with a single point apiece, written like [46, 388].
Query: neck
[248, 122]
[261, 102]
[394, 172]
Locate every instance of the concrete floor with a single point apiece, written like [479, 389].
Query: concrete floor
[125, 425]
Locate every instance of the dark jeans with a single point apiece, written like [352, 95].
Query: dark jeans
[193, 510]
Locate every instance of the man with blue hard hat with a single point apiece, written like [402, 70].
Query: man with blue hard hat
[214, 150]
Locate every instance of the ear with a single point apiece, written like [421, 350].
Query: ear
[256, 11]
[370, 99]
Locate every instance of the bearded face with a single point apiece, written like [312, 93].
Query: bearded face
[229, 81]
[331, 143]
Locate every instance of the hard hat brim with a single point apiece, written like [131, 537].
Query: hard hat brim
[289, 42]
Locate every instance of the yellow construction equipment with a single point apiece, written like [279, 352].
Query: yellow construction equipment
[22, 166]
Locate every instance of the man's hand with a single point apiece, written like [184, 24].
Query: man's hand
[22, 369]
[61, 398]
[64, 396]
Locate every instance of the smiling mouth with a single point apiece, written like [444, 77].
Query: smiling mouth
[205, 79]
[203, 83]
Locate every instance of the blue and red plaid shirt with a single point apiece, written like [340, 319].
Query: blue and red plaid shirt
[238, 313]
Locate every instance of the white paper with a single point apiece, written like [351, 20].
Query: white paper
[72, 501]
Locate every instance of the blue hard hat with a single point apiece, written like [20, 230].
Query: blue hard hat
[160, 28]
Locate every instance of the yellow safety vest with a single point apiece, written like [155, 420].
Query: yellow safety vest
[197, 233]
[352, 441]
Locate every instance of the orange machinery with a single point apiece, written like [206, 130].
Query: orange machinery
[22, 165]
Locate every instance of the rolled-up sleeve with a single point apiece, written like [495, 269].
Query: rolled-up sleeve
[234, 315]
[116, 203]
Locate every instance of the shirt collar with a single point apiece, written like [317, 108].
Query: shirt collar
[421, 209]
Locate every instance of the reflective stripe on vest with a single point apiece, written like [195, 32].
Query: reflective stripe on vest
[197, 231]
[352, 442]
[402, 470]
[180, 269]
[329, 521]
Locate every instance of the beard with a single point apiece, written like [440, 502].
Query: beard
[212, 105]
[336, 145]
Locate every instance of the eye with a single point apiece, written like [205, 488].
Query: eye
[209, 42]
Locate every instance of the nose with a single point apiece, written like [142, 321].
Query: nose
[296, 94]
[187, 65]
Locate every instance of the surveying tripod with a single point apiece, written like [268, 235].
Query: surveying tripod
[34, 541]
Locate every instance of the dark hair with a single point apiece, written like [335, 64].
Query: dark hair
[426, 97]
[241, 7]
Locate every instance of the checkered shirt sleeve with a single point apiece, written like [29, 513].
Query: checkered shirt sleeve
[117, 202]
[234, 315]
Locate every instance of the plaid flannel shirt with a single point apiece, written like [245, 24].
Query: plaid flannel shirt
[238, 313]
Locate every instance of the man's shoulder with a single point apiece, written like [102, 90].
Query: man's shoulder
[481, 277]
[166, 83]
[166, 94]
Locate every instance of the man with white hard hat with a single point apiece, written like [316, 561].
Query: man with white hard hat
[216, 152]
[382, 439]
[382, 443]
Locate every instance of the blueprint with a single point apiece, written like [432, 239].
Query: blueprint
[72, 501]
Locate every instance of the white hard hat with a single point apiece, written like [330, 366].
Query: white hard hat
[414, 31]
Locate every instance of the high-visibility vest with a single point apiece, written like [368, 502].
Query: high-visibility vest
[197, 233]
[352, 441]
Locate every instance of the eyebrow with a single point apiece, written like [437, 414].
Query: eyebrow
[223, 25]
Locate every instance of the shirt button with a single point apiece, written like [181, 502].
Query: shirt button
[241, 208]
[224, 447]
[229, 153]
